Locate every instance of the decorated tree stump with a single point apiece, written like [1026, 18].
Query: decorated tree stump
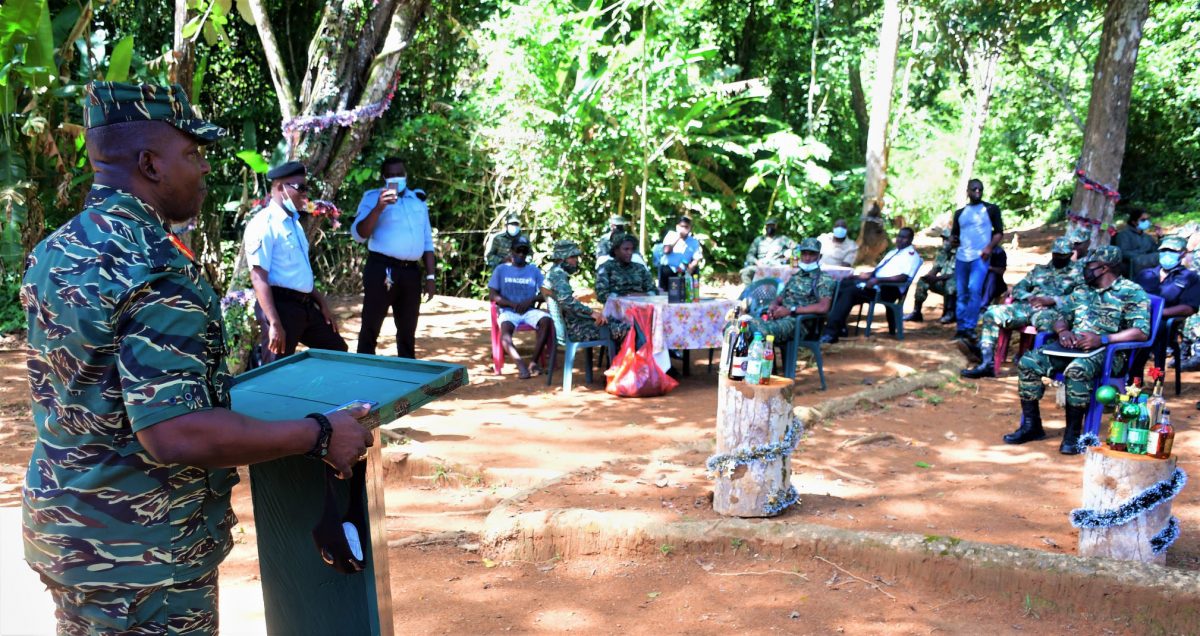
[756, 433]
[1126, 510]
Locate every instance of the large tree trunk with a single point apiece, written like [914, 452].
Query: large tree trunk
[858, 104]
[1108, 110]
[984, 79]
[872, 237]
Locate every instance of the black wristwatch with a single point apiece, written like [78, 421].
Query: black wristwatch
[321, 448]
[792, 310]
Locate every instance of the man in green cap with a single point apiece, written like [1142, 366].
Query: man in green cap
[1035, 301]
[808, 292]
[1107, 309]
[126, 504]
[768, 250]
[500, 244]
[617, 225]
[1179, 288]
[583, 323]
[941, 280]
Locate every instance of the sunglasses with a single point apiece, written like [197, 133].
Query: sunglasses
[301, 188]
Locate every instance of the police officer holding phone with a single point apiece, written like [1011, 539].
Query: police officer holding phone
[394, 223]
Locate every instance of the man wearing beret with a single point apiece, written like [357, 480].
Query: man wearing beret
[769, 249]
[500, 244]
[940, 279]
[394, 223]
[289, 305]
[617, 226]
[126, 501]
[1179, 288]
[808, 292]
[1106, 309]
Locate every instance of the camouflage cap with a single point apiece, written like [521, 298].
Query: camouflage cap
[809, 244]
[1061, 246]
[115, 103]
[771, 221]
[1079, 235]
[617, 219]
[513, 218]
[1109, 255]
[1174, 243]
[565, 249]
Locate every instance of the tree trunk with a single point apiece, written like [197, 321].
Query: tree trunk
[858, 104]
[872, 238]
[1108, 111]
[279, 76]
[1110, 479]
[752, 415]
[984, 80]
[812, 67]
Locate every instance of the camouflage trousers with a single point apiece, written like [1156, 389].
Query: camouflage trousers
[183, 608]
[586, 329]
[784, 329]
[1015, 316]
[1079, 375]
[1191, 329]
[947, 288]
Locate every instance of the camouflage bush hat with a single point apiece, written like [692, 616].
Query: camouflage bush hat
[1061, 246]
[565, 249]
[617, 219]
[513, 219]
[115, 103]
[771, 221]
[1109, 255]
[809, 244]
[1174, 242]
[1079, 235]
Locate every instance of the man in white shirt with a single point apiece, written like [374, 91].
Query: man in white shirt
[837, 248]
[394, 223]
[290, 308]
[897, 266]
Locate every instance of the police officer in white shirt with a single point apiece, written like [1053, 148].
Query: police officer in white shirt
[290, 308]
[897, 266]
[394, 223]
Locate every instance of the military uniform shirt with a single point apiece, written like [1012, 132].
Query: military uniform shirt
[769, 250]
[807, 288]
[1123, 305]
[124, 333]
[402, 230]
[1046, 280]
[622, 279]
[275, 241]
[499, 250]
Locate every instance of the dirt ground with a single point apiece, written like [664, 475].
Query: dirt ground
[943, 471]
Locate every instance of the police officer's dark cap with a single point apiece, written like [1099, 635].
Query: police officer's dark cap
[289, 169]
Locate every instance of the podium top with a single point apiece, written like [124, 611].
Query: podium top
[320, 381]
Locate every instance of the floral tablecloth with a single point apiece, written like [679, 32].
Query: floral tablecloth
[784, 272]
[695, 325]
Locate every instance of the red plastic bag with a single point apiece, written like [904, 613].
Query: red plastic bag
[634, 372]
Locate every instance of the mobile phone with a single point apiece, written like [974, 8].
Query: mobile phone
[392, 187]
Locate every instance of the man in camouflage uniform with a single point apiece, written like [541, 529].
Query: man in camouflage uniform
[126, 505]
[808, 292]
[617, 226]
[620, 276]
[582, 322]
[1036, 301]
[940, 279]
[767, 250]
[1107, 309]
[1190, 351]
[500, 245]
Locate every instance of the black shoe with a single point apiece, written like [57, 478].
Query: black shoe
[947, 319]
[965, 334]
[985, 369]
[915, 316]
[1031, 425]
[828, 338]
[1070, 440]
[970, 350]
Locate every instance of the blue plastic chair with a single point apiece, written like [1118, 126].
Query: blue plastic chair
[759, 294]
[812, 325]
[570, 347]
[894, 309]
[1095, 412]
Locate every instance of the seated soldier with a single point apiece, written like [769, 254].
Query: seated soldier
[1106, 309]
[582, 322]
[770, 249]
[941, 280]
[620, 276]
[895, 267]
[514, 288]
[617, 225]
[680, 252]
[1036, 300]
[501, 243]
[808, 292]
[1179, 288]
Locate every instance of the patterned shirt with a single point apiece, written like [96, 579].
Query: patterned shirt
[944, 262]
[769, 250]
[807, 288]
[1123, 305]
[124, 333]
[499, 249]
[623, 279]
[558, 282]
[1046, 280]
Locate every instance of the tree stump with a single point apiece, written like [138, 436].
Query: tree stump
[1111, 478]
[750, 415]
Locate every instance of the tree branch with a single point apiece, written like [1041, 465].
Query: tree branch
[283, 87]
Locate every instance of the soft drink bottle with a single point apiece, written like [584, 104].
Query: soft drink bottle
[754, 360]
[768, 360]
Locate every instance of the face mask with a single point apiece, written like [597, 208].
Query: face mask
[770, 231]
[1144, 225]
[288, 205]
[839, 232]
[1090, 276]
[682, 232]
[1059, 261]
[570, 269]
[808, 267]
[399, 182]
[1168, 260]
[513, 230]
[519, 258]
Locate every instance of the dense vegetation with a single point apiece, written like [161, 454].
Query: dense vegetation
[560, 109]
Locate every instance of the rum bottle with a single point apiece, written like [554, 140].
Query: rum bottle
[1162, 437]
[741, 350]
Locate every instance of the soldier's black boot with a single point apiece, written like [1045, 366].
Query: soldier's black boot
[1031, 425]
[948, 311]
[984, 367]
[1070, 440]
[915, 316]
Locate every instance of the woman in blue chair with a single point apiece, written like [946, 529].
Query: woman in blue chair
[582, 322]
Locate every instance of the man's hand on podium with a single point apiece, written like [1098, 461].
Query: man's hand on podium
[350, 439]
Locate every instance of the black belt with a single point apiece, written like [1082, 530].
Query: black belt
[297, 296]
[394, 262]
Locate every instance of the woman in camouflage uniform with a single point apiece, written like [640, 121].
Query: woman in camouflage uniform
[621, 276]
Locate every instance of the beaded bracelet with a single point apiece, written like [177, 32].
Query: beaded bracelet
[321, 448]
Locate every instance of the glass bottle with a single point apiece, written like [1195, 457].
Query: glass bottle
[1162, 437]
[1139, 429]
[1155, 403]
[741, 350]
[1118, 429]
[768, 360]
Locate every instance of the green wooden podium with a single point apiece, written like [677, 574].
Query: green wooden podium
[301, 594]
